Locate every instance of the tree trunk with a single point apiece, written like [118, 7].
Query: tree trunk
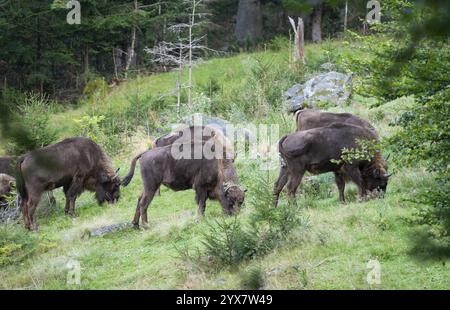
[316, 21]
[131, 53]
[86, 59]
[345, 16]
[249, 24]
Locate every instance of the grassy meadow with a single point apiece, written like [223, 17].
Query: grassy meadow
[329, 249]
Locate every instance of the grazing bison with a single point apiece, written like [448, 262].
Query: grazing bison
[308, 119]
[204, 175]
[76, 164]
[315, 149]
[6, 184]
[8, 165]
[205, 133]
[197, 133]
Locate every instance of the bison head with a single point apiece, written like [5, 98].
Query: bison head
[6, 184]
[376, 181]
[234, 196]
[108, 188]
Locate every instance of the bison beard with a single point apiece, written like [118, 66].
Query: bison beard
[312, 150]
[76, 164]
[205, 176]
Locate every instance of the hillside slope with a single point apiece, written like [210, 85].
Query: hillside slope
[330, 250]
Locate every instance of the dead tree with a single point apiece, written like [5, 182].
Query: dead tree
[299, 40]
[184, 52]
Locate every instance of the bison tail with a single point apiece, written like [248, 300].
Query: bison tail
[20, 180]
[130, 174]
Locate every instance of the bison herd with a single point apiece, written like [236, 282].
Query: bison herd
[79, 164]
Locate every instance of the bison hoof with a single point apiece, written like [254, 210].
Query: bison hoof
[145, 226]
[73, 214]
[135, 225]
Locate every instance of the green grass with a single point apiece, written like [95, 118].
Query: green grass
[331, 254]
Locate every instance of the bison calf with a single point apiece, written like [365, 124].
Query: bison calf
[76, 165]
[314, 151]
[204, 175]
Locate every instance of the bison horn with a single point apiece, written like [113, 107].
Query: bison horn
[388, 175]
[116, 174]
[387, 157]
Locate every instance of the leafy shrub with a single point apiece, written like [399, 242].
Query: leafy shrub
[278, 43]
[89, 126]
[95, 88]
[365, 151]
[228, 242]
[16, 245]
[33, 114]
[426, 138]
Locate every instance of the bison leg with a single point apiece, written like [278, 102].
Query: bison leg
[294, 182]
[200, 198]
[137, 214]
[32, 205]
[340, 182]
[279, 184]
[355, 176]
[24, 208]
[144, 202]
[72, 192]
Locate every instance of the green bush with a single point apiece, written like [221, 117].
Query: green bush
[33, 114]
[253, 278]
[279, 43]
[16, 245]
[228, 242]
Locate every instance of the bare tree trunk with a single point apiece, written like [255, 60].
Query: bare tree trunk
[86, 59]
[115, 63]
[249, 24]
[191, 25]
[299, 40]
[133, 43]
[180, 68]
[345, 16]
[316, 22]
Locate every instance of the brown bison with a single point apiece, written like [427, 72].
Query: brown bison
[206, 133]
[308, 119]
[204, 175]
[8, 165]
[315, 149]
[6, 184]
[76, 165]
